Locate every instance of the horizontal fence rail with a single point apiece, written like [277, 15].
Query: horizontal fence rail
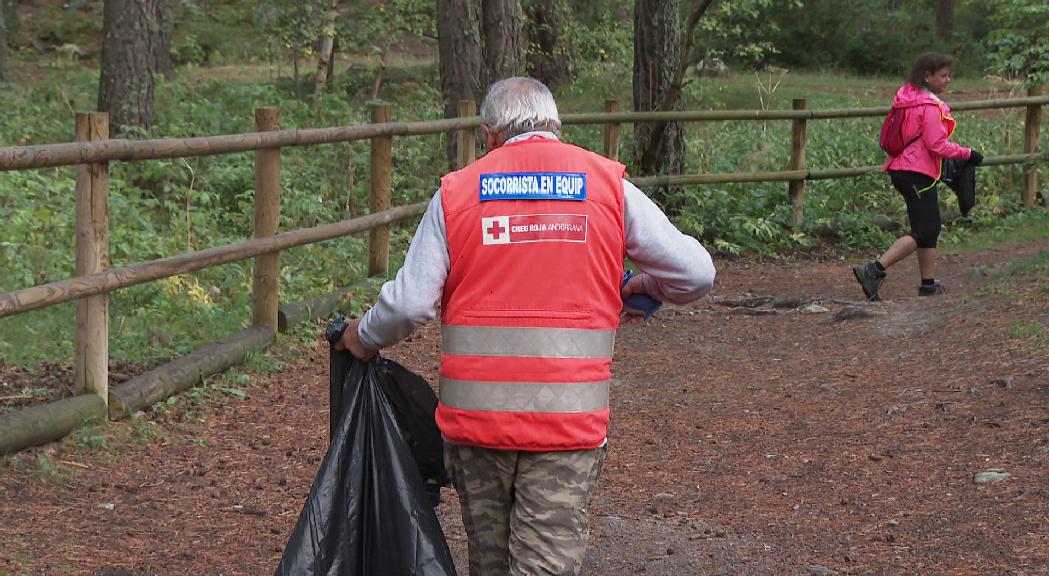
[44, 295]
[815, 114]
[94, 279]
[68, 154]
[789, 175]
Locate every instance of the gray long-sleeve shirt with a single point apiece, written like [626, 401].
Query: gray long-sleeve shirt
[677, 268]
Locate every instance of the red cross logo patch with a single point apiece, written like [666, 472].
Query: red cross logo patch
[520, 228]
[495, 230]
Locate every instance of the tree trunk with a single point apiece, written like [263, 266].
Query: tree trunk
[295, 70]
[502, 34]
[11, 20]
[327, 47]
[3, 48]
[45, 423]
[164, 15]
[131, 41]
[151, 387]
[331, 59]
[459, 45]
[657, 47]
[945, 19]
[549, 58]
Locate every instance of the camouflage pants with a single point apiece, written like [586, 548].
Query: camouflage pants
[524, 512]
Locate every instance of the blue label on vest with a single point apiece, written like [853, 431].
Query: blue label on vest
[533, 186]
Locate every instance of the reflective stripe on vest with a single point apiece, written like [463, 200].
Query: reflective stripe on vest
[527, 342]
[549, 397]
[517, 342]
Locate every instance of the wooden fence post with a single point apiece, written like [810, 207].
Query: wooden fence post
[91, 361]
[796, 188]
[467, 137]
[382, 171]
[612, 132]
[267, 220]
[1031, 129]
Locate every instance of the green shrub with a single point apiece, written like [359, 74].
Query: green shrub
[166, 207]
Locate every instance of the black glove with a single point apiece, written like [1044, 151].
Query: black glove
[975, 158]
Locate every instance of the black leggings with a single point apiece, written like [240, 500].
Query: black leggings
[923, 205]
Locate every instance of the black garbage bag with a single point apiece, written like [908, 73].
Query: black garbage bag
[413, 403]
[960, 176]
[369, 512]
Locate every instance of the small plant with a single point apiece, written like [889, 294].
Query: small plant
[239, 393]
[94, 442]
[767, 88]
[1021, 330]
[45, 465]
[255, 361]
[188, 51]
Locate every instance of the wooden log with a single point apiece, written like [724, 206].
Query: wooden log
[796, 188]
[290, 315]
[467, 137]
[382, 178]
[37, 297]
[886, 223]
[186, 372]
[45, 423]
[91, 357]
[1031, 129]
[612, 131]
[264, 289]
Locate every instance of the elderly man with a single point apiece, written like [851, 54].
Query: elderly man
[524, 249]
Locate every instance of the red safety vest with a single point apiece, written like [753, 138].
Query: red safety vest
[532, 300]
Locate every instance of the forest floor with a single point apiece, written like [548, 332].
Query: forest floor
[746, 438]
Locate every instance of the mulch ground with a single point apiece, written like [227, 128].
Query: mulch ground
[747, 437]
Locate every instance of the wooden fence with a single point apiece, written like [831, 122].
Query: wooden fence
[95, 279]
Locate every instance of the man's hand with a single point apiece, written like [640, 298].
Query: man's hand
[631, 316]
[351, 341]
[633, 286]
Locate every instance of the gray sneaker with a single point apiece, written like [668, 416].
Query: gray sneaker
[934, 290]
[870, 279]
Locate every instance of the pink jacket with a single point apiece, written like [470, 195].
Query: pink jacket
[931, 117]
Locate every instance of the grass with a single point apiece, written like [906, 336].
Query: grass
[41, 469]
[1037, 265]
[1022, 329]
[99, 440]
[1005, 283]
[1013, 229]
[202, 202]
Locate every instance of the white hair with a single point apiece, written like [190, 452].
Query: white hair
[517, 105]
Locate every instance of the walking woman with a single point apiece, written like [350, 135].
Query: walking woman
[927, 127]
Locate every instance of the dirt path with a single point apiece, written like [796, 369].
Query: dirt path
[768, 441]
